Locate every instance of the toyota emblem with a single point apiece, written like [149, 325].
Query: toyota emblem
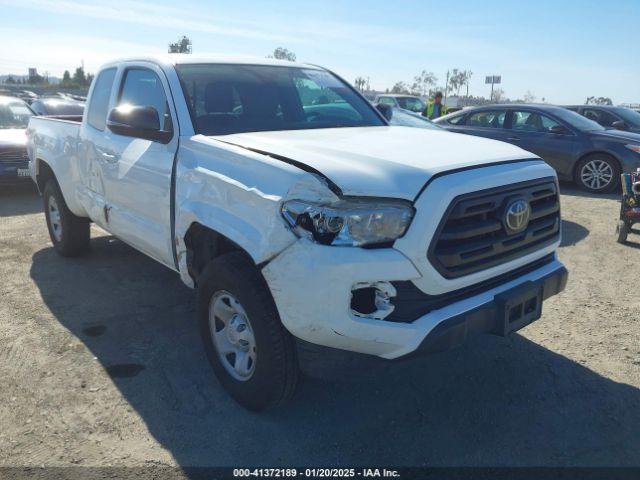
[517, 214]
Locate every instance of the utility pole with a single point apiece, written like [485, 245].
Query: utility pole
[446, 89]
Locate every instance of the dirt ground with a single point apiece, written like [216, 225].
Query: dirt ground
[101, 364]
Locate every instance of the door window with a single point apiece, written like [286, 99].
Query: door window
[525, 121]
[487, 119]
[600, 116]
[459, 120]
[99, 102]
[142, 87]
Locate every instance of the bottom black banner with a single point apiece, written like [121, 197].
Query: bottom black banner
[398, 473]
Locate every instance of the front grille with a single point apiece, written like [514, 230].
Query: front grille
[472, 235]
[14, 157]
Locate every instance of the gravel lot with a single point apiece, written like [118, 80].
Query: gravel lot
[101, 364]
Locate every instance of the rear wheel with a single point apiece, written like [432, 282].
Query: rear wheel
[598, 173]
[250, 351]
[68, 232]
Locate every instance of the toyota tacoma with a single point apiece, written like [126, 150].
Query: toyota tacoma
[297, 212]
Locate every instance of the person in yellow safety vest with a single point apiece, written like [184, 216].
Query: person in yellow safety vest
[435, 108]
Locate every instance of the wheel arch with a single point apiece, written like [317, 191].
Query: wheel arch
[44, 173]
[595, 152]
[202, 244]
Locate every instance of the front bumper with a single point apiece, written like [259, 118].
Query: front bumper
[488, 318]
[14, 171]
[312, 284]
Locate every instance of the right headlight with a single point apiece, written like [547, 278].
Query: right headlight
[353, 222]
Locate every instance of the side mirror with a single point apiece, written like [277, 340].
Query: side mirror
[620, 125]
[558, 130]
[139, 122]
[385, 110]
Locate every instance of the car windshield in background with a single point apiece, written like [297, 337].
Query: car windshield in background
[411, 103]
[404, 119]
[630, 116]
[226, 99]
[14, 114]
[577, 121]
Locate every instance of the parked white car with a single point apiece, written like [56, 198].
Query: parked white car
[284, 196]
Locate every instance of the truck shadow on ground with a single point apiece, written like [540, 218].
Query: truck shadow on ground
[572, 233]
[493, 402]
[19, 200]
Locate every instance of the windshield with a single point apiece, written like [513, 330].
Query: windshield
[14, 114]
[577, 121]
[226, 99]
[411, 103]
[405, 119]
[630, 116]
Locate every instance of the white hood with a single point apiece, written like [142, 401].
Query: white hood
[392, 162]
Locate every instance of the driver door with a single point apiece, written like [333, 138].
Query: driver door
[531, 130]
[137, 172]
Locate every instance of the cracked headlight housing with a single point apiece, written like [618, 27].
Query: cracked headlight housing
[354, 222]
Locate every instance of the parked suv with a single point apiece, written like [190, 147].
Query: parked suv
[286, 199]
[577, 148]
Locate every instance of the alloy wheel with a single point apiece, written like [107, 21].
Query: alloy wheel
[596, 174]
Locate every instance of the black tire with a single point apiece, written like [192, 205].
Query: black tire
[72, 237]
[622, 230]
[588, 183]
[275, 374]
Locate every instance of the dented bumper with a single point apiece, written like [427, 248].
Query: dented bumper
[312, 287]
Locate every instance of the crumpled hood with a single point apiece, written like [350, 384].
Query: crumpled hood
[12, 137]
[392, 162]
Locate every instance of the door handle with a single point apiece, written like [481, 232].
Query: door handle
[108, 157]
[513, 139]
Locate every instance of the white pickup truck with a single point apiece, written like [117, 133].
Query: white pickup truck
[296, 211]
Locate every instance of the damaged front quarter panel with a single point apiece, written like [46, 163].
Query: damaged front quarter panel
[239, 194]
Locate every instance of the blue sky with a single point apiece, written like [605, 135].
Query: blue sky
[562, 51]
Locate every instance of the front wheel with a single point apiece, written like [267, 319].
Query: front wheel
[250, 351]
[598, 173]
[69, 233]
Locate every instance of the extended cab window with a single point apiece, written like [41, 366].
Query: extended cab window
[142, 87]
[99, 103]
[487, 119]
[225, 99]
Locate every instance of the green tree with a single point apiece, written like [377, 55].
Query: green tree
[283, 54]
[423, 82]
[79, 77]
[598, 101]
[181, 46]
[10, 80]
[360, 83]
[400, 87]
